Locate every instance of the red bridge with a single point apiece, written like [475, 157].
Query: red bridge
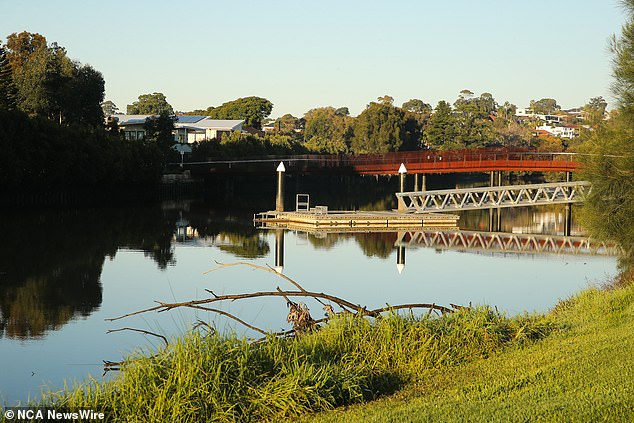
[424, 161]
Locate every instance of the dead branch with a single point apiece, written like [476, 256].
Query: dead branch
[158, 307]
[431, 307]
[142, 331]
[459, 307]
[255, 266]
[229, 315]
[200, 323]
[298, 314]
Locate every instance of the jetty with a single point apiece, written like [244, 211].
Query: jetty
[324, 220]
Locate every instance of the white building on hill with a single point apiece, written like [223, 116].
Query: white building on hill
[187, 129]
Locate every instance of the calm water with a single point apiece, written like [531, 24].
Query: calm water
[63, 272]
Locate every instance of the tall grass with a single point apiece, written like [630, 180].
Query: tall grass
[349, 360]
[582, 372]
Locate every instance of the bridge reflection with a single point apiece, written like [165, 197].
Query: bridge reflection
[500, 242]
[468, 242]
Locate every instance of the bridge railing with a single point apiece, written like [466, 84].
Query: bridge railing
[415, 161]
[464, 159]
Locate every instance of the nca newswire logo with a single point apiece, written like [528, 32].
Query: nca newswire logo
[18, 414]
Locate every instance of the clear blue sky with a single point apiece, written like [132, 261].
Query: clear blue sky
[306, 54]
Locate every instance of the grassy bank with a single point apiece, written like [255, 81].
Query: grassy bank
[583, 371]
[572, 364]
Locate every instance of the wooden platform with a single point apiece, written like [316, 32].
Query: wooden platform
[353, 221]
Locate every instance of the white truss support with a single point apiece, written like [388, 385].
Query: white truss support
[494, 197]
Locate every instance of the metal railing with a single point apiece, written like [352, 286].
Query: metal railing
[422, 161]
[492, 197]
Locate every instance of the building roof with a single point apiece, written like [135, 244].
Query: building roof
[189, 118]
[186, 121]
[219, 124]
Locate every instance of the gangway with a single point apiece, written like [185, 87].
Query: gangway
[492, 197]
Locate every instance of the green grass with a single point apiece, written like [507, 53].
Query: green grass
[584, 371]
[573, 364]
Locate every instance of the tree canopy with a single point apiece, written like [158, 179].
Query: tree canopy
[327, 131]
[440, 131]
[150, 104]
[417, 106]
[595, 110]
[109, 108]
[609, 207]
[380, 128]
[253, 110]
[544, 106]
[8, 91]
[49, 84]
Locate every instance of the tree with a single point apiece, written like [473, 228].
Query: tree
[109, 108]
[251, 109]
[386, 99]
[150, 104]
[160, 128]
[380, 128]
[608, 210]
[8, 91]
[417, 113]
[51, 85]
[417, 106]
[288, 125]
[544, 106]
[342, 111]
[508, 131]
[473, 116]
[440, 131]
[326, 131]
[86, 92]
[21, 46]
[465, 95]
[595, 110]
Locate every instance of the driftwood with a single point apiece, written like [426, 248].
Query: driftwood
[298, 315]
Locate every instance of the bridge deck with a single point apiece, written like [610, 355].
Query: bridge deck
[424, 161]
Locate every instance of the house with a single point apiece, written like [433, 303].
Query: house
[567, 131]
[187, 129]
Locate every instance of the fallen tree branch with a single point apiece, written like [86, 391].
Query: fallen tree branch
[229, 315]
[255, 266]
[431, 307]
[298, 314]
[142, 331]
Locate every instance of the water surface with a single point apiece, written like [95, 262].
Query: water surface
[63, 272]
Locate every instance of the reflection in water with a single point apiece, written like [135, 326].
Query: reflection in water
[551, 220]
[400, 258]
[525, 238]
[51, 262]
[279, 250]
[500, 242]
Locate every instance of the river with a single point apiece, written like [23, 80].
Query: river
[64, 271]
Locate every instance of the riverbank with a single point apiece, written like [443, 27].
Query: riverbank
[571, 364]
[583, 372]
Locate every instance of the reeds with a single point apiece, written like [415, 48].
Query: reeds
[212, 377]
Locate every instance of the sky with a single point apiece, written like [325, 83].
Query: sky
[306, 54]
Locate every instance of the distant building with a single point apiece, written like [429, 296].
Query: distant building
[187, 129]
[554, 125]
[567, 131]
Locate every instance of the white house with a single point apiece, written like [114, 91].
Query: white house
[558, 131]
[187, 129]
